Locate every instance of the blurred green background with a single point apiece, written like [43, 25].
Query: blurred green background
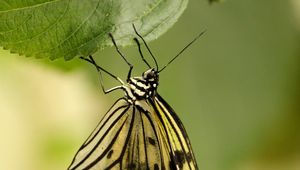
[236, 90]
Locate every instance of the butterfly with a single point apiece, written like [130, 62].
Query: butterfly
[140, 131]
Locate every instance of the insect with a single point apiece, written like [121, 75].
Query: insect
[140, 130]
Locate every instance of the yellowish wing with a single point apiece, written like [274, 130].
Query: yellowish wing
[104, 145]
[127, 138]
[137, 137]
[181, 153]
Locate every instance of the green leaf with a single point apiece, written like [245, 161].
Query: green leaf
[69, 28]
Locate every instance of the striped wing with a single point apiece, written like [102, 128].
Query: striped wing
[174, 133]
[106, 140]
[130, 138]
[125, 138]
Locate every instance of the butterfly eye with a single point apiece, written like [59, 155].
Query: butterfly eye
[150, 75]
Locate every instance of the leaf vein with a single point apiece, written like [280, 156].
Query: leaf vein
[45, 30]
[67, 38]
[29, 7]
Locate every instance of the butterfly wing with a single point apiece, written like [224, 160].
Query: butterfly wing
[126, 138]
[105, 143]
[145, 149]
[174, 135]
[131, 138]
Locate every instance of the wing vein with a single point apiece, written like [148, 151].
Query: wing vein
[125, 144]
[172, 115]
[101, 139]
[155, 132]
[144, 137]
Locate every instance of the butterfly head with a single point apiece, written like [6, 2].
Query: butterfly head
[151, 76]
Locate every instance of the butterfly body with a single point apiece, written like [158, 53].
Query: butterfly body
[140, 88]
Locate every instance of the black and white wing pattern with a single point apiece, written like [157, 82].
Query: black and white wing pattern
[133, 138]
[100, 150]
[176, 138]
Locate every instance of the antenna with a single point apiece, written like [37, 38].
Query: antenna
[189, 44]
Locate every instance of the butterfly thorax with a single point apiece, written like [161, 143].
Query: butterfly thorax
[141, 88]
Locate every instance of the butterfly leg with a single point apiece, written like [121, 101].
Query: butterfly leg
[100, 69]
[122, 55]
[147, 47]
[141, 53]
